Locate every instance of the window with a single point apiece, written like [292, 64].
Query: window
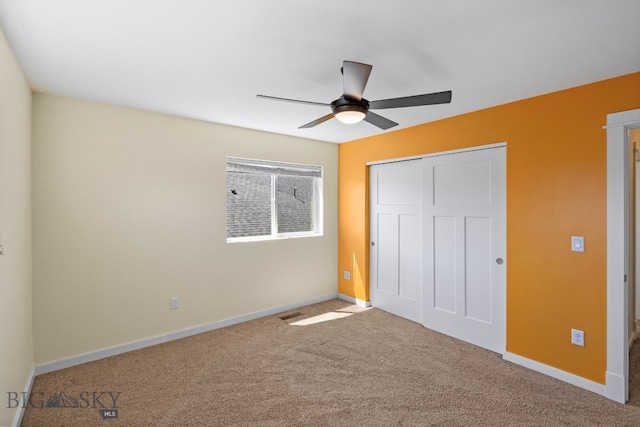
[271, 200]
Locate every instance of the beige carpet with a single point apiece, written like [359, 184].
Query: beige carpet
[363, 368]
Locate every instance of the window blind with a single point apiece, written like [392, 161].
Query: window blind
[272, 168]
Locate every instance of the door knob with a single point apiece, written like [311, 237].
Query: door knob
[499, 261]
[373, 243]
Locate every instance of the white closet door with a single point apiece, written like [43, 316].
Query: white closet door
[465, 246]
[396, 228]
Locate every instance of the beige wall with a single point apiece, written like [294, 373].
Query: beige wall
[16, 344]
[129, 210]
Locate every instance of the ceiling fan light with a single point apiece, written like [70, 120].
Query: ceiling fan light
[350, 116]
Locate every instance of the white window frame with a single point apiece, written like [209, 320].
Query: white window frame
[317, 196]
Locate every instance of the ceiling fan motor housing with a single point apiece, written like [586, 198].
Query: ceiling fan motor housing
[342, 104]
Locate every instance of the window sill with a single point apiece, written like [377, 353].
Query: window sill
[268, 238]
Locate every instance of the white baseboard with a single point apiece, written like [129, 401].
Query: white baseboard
[358, 302]
[17, 418]
[556, 373]
[160, 339]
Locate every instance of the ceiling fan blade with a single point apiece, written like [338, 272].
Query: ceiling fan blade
[354, 79]
[412, 101]
[297, 101]
[317, 121]
[379, 121]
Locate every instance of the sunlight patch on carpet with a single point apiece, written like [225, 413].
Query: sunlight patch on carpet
[332, 315]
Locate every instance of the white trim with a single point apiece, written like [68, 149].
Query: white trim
[439, 153]
[617, 375]
[17, 418]
[281, 236]
[615, 387]
[556, 373]
[358, 302]
[623, 118]
[631, 125]
[171, 336]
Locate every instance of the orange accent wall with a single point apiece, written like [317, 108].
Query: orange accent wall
[556, 188]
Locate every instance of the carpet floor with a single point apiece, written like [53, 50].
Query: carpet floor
[328, 364]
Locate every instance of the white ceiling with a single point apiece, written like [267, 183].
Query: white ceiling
[207, 59]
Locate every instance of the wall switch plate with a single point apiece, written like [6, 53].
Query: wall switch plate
[577, 337]
[347, 275]
[173, 303]
[577, 243]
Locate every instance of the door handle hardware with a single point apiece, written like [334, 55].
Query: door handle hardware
[499, 261]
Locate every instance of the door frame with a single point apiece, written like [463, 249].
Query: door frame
[439, 153]
[618, 174]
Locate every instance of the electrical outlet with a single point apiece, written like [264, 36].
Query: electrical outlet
[577, 337]
[347, 275]
[577, 243]
[173, 303]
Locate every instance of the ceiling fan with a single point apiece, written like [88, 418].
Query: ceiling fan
[351, 107]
